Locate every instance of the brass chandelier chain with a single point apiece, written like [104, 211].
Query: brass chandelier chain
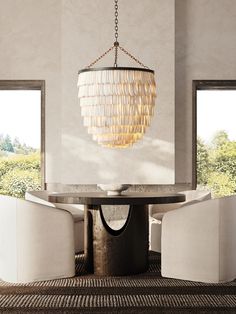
[100, 57]
[116, 21]
[132, 57]
[116, 45]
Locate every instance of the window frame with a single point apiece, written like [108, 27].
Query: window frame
[32, 85]
[203, 85]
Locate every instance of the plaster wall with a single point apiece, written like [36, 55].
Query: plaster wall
[52, 39]
[205, 41]
[146, 29]
[30, 41]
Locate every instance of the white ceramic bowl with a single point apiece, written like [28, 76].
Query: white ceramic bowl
[114, 189]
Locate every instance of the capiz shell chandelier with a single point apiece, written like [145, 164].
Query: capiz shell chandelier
[117, 103]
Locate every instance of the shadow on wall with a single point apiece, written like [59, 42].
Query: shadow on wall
[85, 162]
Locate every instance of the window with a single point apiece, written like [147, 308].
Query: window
[214, 132]
[22, 131]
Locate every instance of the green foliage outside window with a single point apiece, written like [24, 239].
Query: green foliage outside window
[6, 144]
[18, 181]
[19, 167]
[216, 165]
[202, 162]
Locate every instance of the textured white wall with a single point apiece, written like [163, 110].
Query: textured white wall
[205, 50]
[30, 40]
[52, 40]
[146, 28]
[42, 39]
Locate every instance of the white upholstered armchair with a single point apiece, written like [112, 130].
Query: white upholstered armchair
[77, 212]
[199, 241]
[36, 241]
[157, 212]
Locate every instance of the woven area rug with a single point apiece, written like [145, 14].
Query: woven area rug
[143, 293]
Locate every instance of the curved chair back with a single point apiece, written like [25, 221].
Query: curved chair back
[77, 212]
[192, 196]
[37, 241]
[199, 241]
[158, 211]
[41, 197]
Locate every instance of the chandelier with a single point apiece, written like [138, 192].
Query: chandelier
[117, 103]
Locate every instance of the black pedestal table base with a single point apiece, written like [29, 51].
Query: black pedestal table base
[116, 252]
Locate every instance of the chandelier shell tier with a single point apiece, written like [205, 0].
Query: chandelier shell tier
[117, 103]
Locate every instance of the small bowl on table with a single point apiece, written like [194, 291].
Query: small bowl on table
[114, 189]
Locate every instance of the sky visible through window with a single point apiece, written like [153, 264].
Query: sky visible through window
[20, 113]
[216, 111]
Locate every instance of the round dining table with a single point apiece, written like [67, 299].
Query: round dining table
[110, 252]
